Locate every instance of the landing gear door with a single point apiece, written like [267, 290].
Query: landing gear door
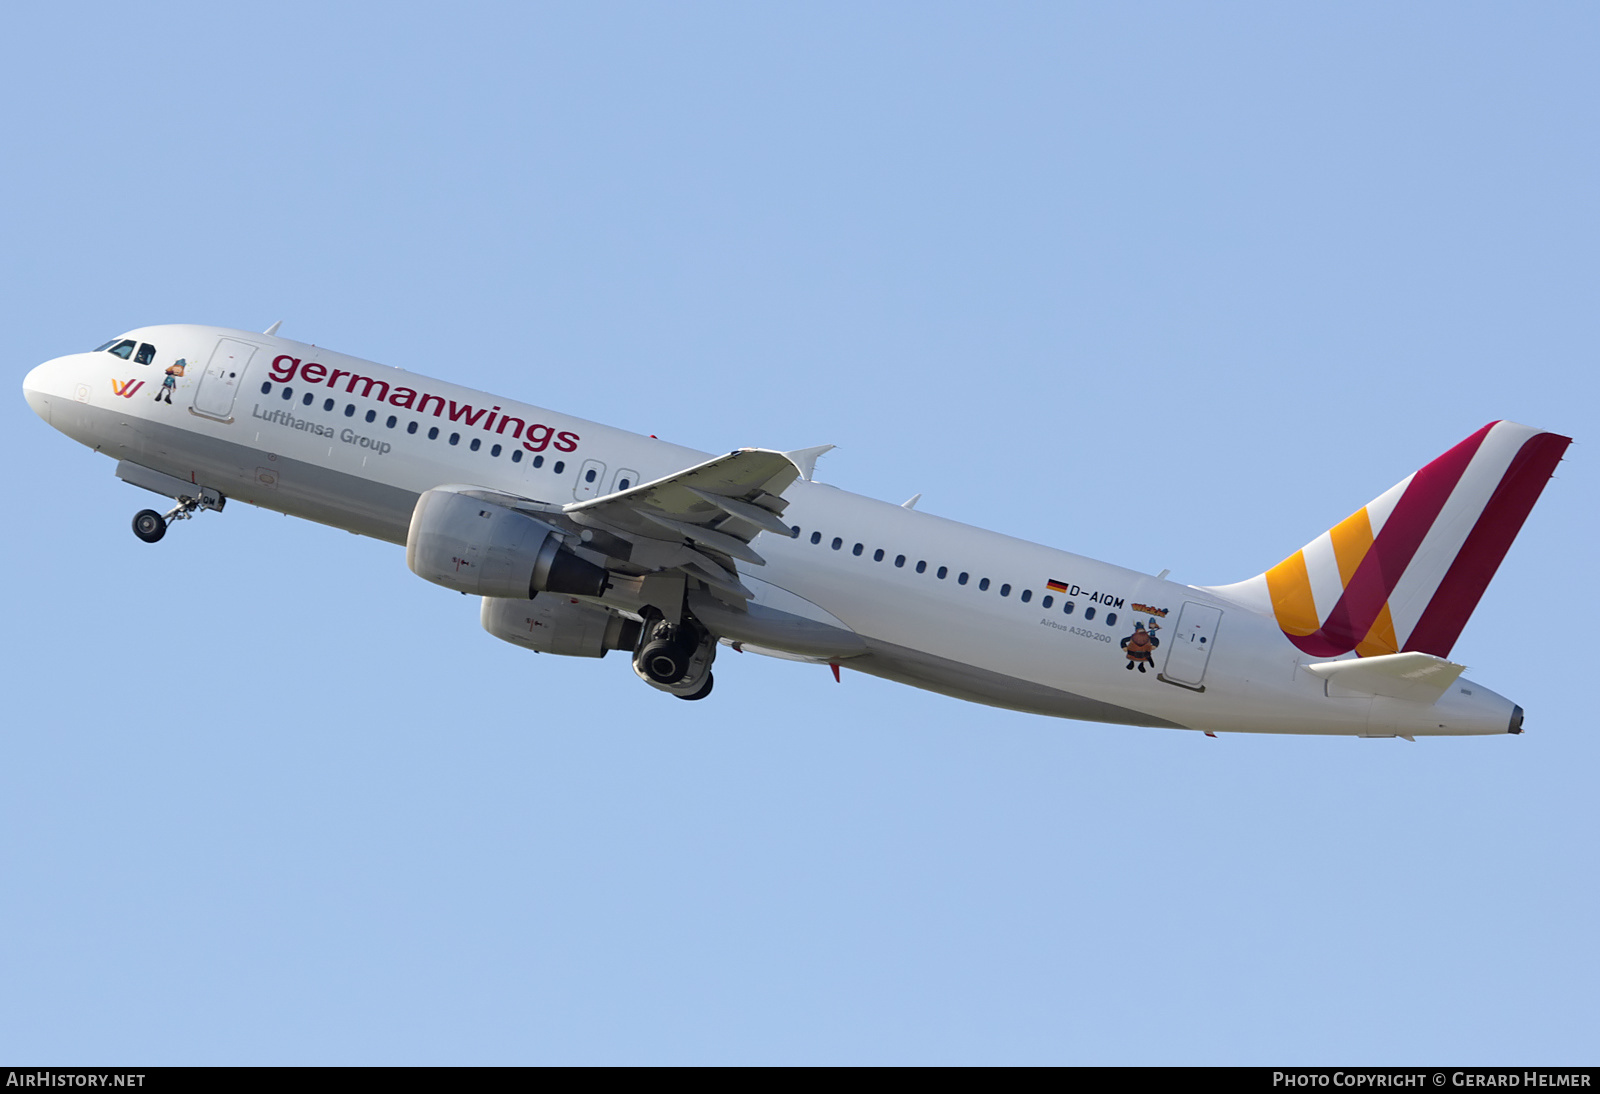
[223, 377]
[1189, 649]
[591, 479]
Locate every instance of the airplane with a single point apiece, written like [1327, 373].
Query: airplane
[582, 539]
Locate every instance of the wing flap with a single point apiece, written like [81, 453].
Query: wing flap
[743, 475]
[720, 505]
[706, 537]
[755, 514]
[700, 520]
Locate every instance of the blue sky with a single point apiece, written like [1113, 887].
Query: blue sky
[1171, 286]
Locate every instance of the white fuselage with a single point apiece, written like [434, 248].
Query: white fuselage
[936, 603]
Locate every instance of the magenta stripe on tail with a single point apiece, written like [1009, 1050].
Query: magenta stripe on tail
[1391, 552]
[1463, 585]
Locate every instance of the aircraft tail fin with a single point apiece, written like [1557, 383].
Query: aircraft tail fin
[1403, 573]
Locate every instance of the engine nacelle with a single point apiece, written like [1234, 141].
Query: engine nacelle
[487, 549]
[558, 624]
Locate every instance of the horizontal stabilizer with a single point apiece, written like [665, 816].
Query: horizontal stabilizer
[1419, 677]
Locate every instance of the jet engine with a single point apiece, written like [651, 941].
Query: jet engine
[558, 624]
[484, 548]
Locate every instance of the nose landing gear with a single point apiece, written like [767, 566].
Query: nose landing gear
[150, 525]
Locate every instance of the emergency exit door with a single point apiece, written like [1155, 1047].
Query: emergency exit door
[591, 478]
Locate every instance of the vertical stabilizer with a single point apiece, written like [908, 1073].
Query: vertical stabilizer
[1404, 572]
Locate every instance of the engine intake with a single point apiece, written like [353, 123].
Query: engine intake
[486, 549]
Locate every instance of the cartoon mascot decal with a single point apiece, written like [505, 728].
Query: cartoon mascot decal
[1140, 644]
[170, 384]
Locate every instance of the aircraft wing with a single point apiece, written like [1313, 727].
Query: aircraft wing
[701, 519]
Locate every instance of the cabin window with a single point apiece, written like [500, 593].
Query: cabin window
[1066, 608]
[837, 543]
[495, 451]
[538, 461]
[816, 537]
[516, 455]
[1088, 613]
[288, 393]
[1111, 620]
[1005, 590]
[922, 566]
[588, 476]
[433, 433]
[123, 349]
[146, 354]
[944, 572]
[857, 549]
[411, 427]
[1047, 601]
[1027, 595]
[794, 531]
[372, 415]
[455, 438]
[877, 556]
[305, 400]
[327, 404]
[390, 423]
[266, 389]
[899, 560]
[559, 467]
[477, 443]
[623, 484]
[961, 578]
[349, 410]
[983, 584]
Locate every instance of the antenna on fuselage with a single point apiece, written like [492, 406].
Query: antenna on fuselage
[274, 328]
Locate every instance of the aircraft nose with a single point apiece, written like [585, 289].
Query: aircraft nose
[50, 383]
[36, 388]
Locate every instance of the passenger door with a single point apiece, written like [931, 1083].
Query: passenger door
[222, 379]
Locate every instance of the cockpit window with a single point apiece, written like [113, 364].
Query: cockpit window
[146, 354]
[107, 346]
[124, 348]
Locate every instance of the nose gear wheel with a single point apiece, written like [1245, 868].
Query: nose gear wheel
[150, 525]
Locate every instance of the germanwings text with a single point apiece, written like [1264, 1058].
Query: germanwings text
[535, 437]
